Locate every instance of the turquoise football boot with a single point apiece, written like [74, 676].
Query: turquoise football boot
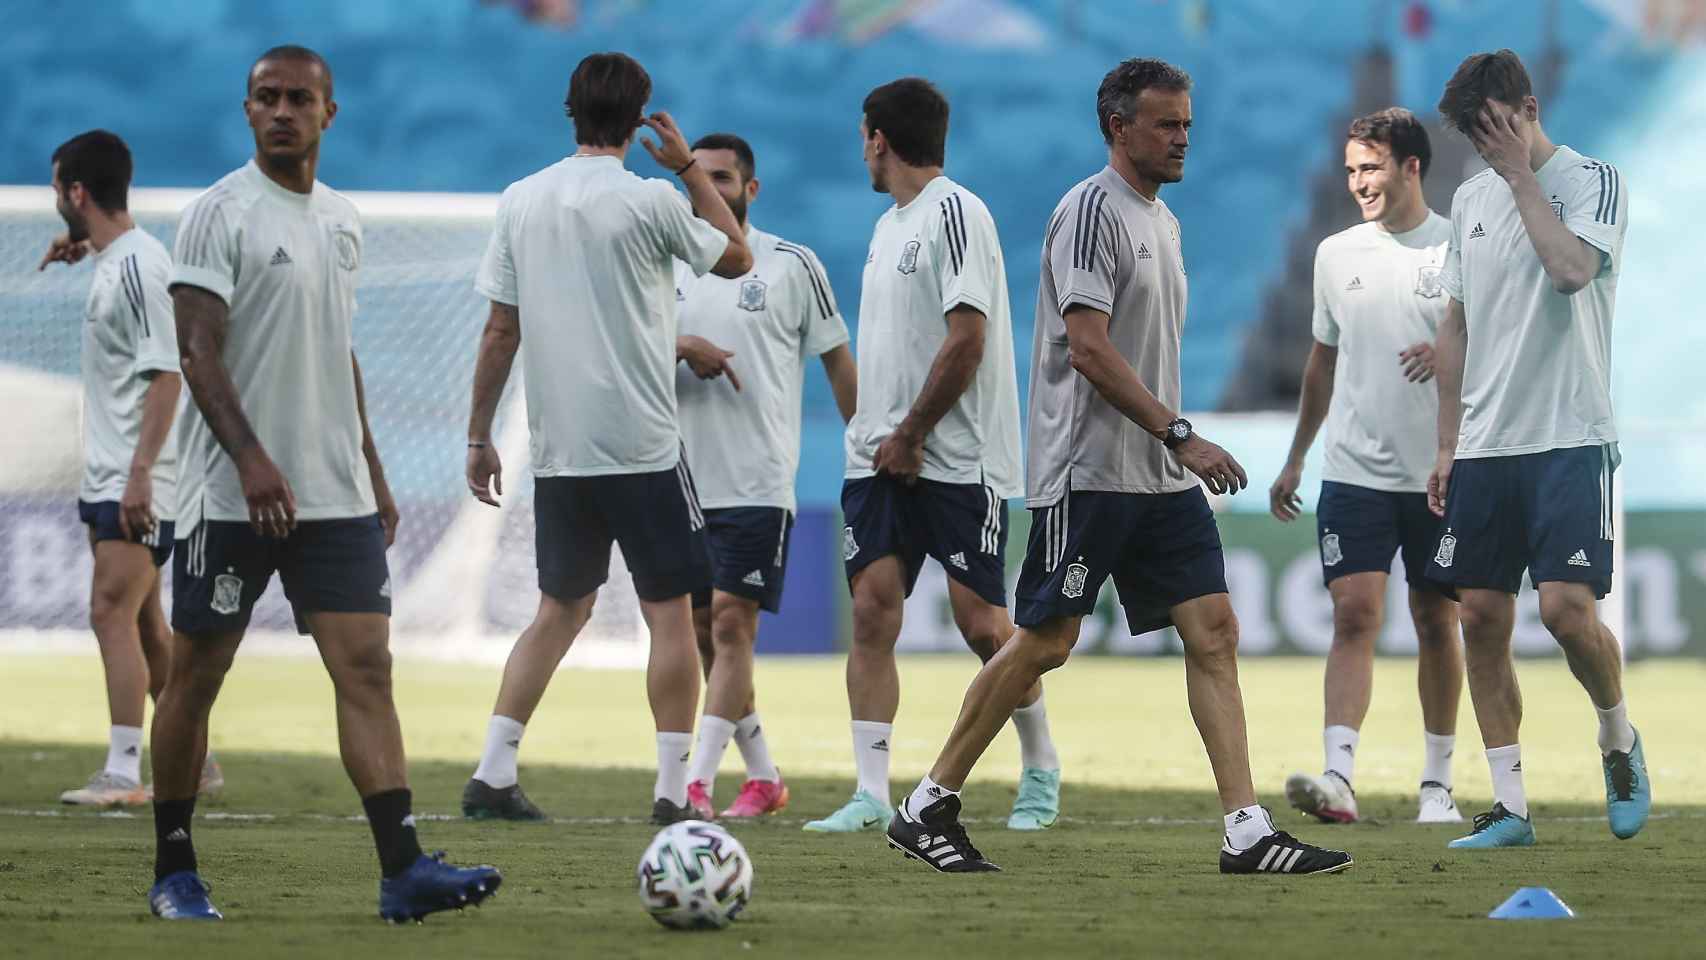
[863, 812]
[1037, 806]
[1497, 827]
[1628, 792]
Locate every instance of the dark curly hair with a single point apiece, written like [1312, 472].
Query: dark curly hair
[1119, 90]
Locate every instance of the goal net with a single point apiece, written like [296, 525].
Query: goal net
[464, 582]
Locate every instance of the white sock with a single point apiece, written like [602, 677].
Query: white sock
[871, 756]
[1341, 748]
[714, 736]
[1247, 826]
[1615, 733]
[755, 750]
[124, 752]
[1036, 747]
[927, 792]
[1436, 758]
[1505, 764]
[498, 759]
[674, 750]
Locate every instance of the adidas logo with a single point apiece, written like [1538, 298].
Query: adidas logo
[1348, 749]
[882, 745]
[934, 792]
[1477, 232]
[753, 579]
[1242, 817]
[1143, 252]
[686, 756]
[408, 822]
[132, 751]
[959, 560]
[513, 744]
[1579, 559]
[178, 835]
[385, 588]
[1517, 768]
[1355, 284]
[279, 257]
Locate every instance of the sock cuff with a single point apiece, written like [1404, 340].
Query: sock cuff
[1504, 752]
[1033, 708]
[506, 725]
[1342, 731]
[746, 724]
[674, 738]
[714, 724]
[873, 726]
[1443, 739]
[1621, 706]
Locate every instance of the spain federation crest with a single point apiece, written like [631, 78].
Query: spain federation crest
[1558, 207]
[752, 294]
[1331, 554]
[227, 594]
[349, 252]
[1447, 550]
[1427, 282]
[1076, 574]
[849, 546]
[908, 257]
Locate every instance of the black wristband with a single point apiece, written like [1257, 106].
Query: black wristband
[478, 443]
[689, 166]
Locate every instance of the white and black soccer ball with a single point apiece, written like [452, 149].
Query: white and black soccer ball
[695, 876]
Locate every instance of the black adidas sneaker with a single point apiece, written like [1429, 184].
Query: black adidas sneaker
[480, 801]
[665, 813]
[1280, 852]
[936, 838]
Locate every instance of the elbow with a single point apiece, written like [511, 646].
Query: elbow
[736, 263]
[1569, 284]
[1081, 360]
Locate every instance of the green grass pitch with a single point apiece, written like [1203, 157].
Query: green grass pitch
[1131, 870]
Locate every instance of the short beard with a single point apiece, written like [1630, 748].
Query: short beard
[737, 207]
[76, 227]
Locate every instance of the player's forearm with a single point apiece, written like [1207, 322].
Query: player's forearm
[950, 375]
[159, 404]
[1312, 405]
[843, 376]
[1569, 261]
[713, 209]
[201, 347]
[369, 449]
[1450, 346]
[498, 345]
[1118, 384]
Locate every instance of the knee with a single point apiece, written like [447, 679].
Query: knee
[1042, 651]
[1216, 646]
[195, 678]
[368, 667]
[108, 609]
[1355, 622]
[1478, 617]
[1567, 618]
[873, 613]
[985, 639]
[564, 618]
[731, 628]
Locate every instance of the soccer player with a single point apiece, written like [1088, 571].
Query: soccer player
[579, 268]
[933, 449]
[279, 474]
[1111, 485]
[1378, 303]
[1526, 440]
[743, 448]
[127, 497]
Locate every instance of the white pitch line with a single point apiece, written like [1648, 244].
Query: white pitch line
[228, 817]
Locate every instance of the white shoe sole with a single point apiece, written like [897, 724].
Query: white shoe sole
[1437, 815]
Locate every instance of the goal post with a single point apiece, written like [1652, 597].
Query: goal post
[463, 575]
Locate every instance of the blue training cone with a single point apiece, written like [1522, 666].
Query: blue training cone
[1533, 903]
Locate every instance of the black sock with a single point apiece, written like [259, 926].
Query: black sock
[173, 849]
[393, 826]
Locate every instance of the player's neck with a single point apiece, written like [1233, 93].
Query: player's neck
[1147, 188]
[295, 174]
[104, 228]
[588, 150]
[1407, 218]
[1541, 150]
[907, 182]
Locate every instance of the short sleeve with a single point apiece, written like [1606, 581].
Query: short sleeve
[495, 279]
[1451, 270]
[205, 253]
[968, 255]
[1324, 326]
[1082, 257]
[821, 327]
[684, 236]
[145, 282]
[1597, 211]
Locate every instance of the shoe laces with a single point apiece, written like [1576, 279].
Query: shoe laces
[1622, 774]
[956, 835]
[190, 885]
[1486, 820]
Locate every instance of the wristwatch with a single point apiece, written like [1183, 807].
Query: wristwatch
[1177, 433]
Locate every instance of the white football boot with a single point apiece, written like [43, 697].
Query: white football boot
[1327, 797]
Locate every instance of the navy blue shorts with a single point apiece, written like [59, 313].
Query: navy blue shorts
[962, 525]
[749, 554]
[102, 520]
[1549, 513]
[1361, 528]
[327, 566]
[653, 517]
[1162, 549]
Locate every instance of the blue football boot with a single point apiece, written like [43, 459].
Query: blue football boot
[431, 885]
[1628, 792]
[182, 896]
[1497, 827]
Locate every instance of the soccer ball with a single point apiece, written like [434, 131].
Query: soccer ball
[695, 876]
